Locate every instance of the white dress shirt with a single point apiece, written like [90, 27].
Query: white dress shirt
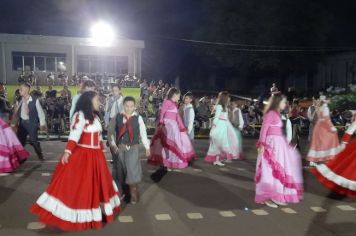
[117, 107]
[41, 115]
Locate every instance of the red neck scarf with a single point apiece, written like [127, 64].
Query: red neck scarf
[126, 128]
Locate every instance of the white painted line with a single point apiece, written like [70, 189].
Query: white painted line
[177, 170]
[195, 216]
[126, 219]
[289, 210]
[224, 169]
[227, 214]
[50, 161]
[163, 217]
[151, 171]
[19, 175]
[46, 174]
[260, 212]
[318, 209]
[4, 174]
[346, 208]
[35, 225]
[241, 169]
[198, 170]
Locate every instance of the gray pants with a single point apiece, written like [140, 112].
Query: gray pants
[127, 167]
[311, 130]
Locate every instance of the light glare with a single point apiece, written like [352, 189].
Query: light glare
[102, 34]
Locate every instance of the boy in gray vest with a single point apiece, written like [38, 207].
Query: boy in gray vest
[29, 115]
[124, 135]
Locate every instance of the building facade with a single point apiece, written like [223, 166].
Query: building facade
[44, 54]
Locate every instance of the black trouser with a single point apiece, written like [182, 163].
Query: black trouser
[29, 128]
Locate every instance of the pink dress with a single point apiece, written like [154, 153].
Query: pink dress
[12, 153]
[279, 169]
[171, 146]
[325, 142]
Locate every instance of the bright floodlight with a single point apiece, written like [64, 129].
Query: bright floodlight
[102, 34]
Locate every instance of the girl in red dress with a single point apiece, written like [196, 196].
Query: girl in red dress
[82, 193]
[339, 174]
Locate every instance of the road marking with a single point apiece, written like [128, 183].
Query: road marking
[346, 208]
[35, 225]
[198, 170]
[49, 161]
[151, 171]
[318, 209]
[241, 169]
[195, 216]
[177, 170]
[227, 214]
[46, 174]
[260, 212]
[224, 169]
[4, 174]
[289, 210]
[52, 161]
[19, 175]
[126, 219]
[163, 217]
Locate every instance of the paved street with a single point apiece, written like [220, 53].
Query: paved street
[200, 200]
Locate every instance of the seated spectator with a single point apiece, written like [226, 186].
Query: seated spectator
[51, 92]
[66, 93]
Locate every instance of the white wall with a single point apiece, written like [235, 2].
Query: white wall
[71, 47]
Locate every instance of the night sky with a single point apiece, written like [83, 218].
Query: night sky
[154, 21]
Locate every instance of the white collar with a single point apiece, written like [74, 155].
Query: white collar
[133, 114]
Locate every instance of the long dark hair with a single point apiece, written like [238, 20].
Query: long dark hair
[223, 99]
[85, 105]
[171, 92]
[273, 103]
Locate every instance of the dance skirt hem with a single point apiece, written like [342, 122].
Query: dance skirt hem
[48, 218]
[158, 161]
[221, 157]
[10, 161]
[278, 172]
[278, 197]
[172, 146]
[334, 182]
[323, 155]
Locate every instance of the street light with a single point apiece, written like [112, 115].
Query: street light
[102, 34]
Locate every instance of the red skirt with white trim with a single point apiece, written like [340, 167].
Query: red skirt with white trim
[339, 174]
[81, 195]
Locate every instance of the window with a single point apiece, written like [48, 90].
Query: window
[36, 61]
[28, 63]
[110, 66]
[17, 63]
[122, 65]
[39, 63]
[101, 64]
[61, 59]
[50, 64]
[83, 66]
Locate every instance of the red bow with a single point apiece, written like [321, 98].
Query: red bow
[126, 128]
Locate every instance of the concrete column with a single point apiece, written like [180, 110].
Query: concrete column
[134, 61]
[3, 62]
[139, 63]
[73, 62]
[131, 62]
